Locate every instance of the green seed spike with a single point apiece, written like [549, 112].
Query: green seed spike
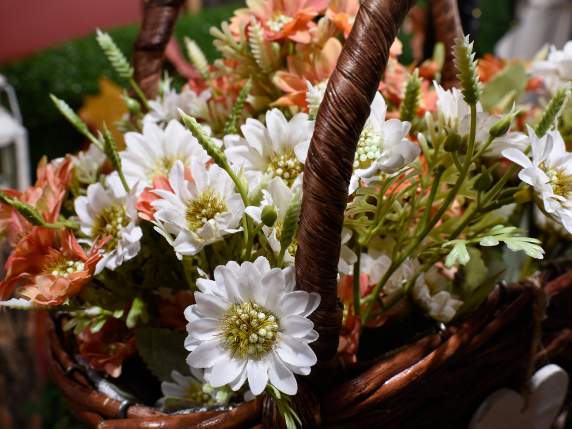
[206, 142]
[30, 213]
[231, 125]
[197, 57]
[467, 70]
[553, 111]
[114, 55]
[411, 99]
[290, 224]
[110, 150]
[75, 120]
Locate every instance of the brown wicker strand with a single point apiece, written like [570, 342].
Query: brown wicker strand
[328, 168]
[159, 18]
[447, 26]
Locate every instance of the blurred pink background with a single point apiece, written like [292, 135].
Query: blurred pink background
[27, 26]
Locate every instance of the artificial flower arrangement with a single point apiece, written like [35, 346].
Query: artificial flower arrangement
[190, 229]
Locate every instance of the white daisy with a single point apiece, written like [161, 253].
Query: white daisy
[191, 391]
[438, 303]
[383, 145]
[556, 69]
[155, 151]
[250, 324]
[277, 149]
[198, 211]
[109, 211]
[549, 172]
[452, 106]
[165, 108]
[87, 164]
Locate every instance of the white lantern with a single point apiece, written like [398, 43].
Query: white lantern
[14, 162]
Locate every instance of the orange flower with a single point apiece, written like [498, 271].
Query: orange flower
[314, 66]
[106, 349]
[45, 275]
[342, 13]
[46, 195]
[489, 66]
[281, 19]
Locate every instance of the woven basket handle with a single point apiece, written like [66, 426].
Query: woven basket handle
[329, 164]
[159, 17]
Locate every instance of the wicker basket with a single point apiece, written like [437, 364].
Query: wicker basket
[422, 385]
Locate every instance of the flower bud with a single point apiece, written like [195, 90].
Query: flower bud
[132, 105]
[269, 215]
[453, 142]
[501, 127]
[484, 180]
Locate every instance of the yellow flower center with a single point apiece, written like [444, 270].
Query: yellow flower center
[109, 223]
[249, 330]
[162, 167]
[62, 267]
[560, 181]
[369, 148]
[285, 165]
[204, 208]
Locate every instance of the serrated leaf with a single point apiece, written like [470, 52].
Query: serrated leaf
[459, 254]
[528, 245]
[162, 350]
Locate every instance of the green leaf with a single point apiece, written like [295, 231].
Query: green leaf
[510, 82]
[475, 271]
[290, 224]
[138, 312]
[458, 254]
[530, 246]
[162, 350]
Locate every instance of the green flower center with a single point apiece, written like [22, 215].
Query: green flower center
[278, 22]
[285, 165]
[249, 330]
[204, 208]
[109, 224]
[369, 148]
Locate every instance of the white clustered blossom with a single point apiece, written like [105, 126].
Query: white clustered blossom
[165, 108]
[110, 212]
[439, 304]
[556, 69]
[198, 210]
[383, 145]
[549, 172]
[314, 96]
[452, 106]
[250, 324]
[87, 163]
[191, 391]
[154, 152]
[277, 149]
[375, 264]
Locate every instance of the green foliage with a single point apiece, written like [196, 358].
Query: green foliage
[283, 403]
[552, 111]
[459, 254]
[411, 100]
[162, 350]
[467, 70]
[290, 224]
[507, 235]
[231, 126]
[118, 61]
[505, 88]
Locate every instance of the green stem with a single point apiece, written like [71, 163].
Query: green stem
[356, 284]
[139, 93]
[429, 226]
